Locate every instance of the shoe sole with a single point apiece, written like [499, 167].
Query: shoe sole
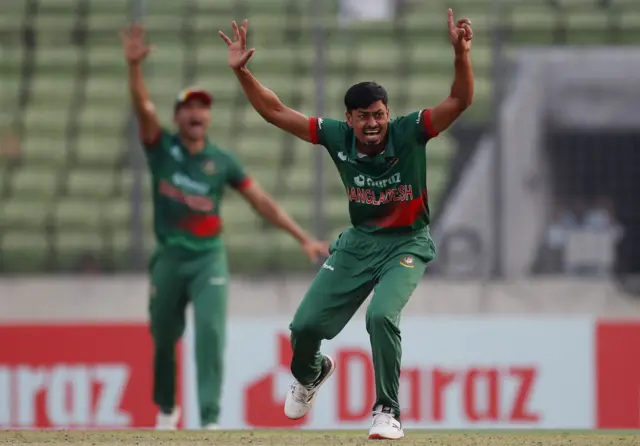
[381, 437]
[331, 370]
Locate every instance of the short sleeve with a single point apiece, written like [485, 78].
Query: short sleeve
[162, 141]
[327, 132]
[158, 148]
[417, 126]
[236, 175]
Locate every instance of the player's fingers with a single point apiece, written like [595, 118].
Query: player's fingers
[243, 33]
[236, 31]
[450, 18]
[136, 30]
[225, 38]
[247, 56]
[463, 21]
[468, 32]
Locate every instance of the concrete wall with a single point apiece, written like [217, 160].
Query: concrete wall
[125, 298]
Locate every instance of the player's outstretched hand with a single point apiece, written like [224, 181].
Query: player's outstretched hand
[315, 249]
[461, 34]
[238, 53]
[135, 49]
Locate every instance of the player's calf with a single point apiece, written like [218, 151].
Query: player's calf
[385, 426]
[301, 397]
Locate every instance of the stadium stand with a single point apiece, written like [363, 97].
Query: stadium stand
[63, 95]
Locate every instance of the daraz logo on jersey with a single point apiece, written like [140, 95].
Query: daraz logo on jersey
[187, 183]
[362, 180]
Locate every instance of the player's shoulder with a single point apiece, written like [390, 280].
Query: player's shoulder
[410, 118]
[325, 120]
[332, 133]
[223, 154]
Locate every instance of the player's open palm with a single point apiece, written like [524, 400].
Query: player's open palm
[460, 33]
[238, 53]
[133, 44]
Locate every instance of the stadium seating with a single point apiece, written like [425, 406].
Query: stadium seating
[62, 92]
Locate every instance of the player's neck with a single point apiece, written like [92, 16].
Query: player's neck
[193, 146]
[371, 150]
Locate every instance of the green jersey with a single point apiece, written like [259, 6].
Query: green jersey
[188, 190]
[388, 192]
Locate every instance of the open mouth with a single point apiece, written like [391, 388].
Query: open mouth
[372, 134]
[195, 124]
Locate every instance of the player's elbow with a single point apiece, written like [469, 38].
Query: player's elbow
[461, 102]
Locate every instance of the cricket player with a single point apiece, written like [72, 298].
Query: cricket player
[382, 163]
[189, 174]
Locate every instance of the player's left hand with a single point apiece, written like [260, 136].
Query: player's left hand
[460, 33]
[238, 54]
[315, 249]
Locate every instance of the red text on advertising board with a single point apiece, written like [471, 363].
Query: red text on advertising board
[76, 376]
[65, 395]
[481, 389]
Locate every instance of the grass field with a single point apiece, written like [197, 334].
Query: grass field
[312, 438]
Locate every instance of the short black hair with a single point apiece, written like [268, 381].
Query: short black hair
[363, 95]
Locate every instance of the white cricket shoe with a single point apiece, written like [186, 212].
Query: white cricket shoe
[211, 427]
[168, 421]
[385, 426]
[300, 399]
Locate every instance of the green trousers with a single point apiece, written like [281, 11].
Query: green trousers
[177, 278]
[392, 267]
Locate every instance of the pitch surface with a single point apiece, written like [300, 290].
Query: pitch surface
[312, 438]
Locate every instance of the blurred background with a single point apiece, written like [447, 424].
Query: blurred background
[551, 139]
[534, 192]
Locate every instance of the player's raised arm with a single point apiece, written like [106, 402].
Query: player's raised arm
[263, 100]
[136, 51]
[461, 95]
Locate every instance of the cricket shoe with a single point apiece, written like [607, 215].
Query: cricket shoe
[300, 399]
[385, 426]
[168, 421]
[211, 427]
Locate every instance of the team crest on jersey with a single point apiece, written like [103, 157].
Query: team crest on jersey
[407, 262]
[209, 167]
[344, 157]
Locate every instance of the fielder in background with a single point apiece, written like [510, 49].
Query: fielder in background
[382, 163]
[189, 174]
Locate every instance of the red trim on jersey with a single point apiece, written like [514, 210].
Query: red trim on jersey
[313, 130]
[202, 225]
[244, 183]
[404, 213]
[152, 142]
[428, 125]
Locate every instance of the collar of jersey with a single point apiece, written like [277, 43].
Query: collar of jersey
[389, 151]
[207, 150]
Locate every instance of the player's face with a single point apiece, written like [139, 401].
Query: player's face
[193, 118]
[370, 124]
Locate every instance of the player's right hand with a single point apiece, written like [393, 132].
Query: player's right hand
[135, 49]
[238, 53]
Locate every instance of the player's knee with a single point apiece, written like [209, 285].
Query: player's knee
[302, 327]
[207, 331]
[379, 318]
